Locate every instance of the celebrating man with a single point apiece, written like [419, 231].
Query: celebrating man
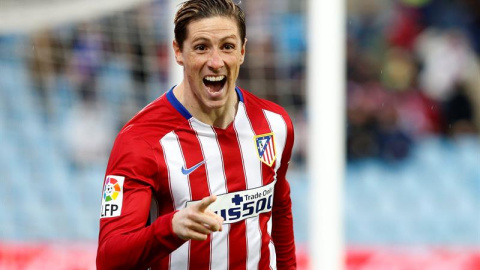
[196, 180]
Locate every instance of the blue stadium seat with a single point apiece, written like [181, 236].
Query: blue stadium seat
[431, 198]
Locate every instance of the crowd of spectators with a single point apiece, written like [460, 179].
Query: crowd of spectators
[413, 71]
[90, 78]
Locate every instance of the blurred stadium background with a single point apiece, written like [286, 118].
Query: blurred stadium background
[412, 180]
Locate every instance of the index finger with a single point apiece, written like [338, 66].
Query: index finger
[205, 202]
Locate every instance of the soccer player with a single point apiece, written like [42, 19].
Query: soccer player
[196, 180]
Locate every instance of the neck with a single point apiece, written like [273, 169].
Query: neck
[220, 117]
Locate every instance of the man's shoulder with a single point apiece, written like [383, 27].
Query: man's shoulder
[153, 121]
[253, 101]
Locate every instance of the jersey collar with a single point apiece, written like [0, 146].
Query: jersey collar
[182, 110]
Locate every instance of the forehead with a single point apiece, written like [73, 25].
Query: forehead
[213, 26]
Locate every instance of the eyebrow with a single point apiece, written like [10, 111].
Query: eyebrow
[206, 39]
[231, 36]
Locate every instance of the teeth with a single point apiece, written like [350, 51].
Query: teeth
[214, 78]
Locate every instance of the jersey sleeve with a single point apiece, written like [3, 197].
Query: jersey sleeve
[125, 240]
[282, 228]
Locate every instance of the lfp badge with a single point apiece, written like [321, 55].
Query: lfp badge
[112, 197]
[265, 144]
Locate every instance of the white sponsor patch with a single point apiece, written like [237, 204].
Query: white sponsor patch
[240, 205]
[112, 197]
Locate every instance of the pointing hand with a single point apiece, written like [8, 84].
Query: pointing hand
[196, 221]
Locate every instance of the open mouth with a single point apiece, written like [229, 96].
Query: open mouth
[215, 83]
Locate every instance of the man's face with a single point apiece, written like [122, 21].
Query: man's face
[212, 54]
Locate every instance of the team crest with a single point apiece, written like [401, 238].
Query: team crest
[265, 144]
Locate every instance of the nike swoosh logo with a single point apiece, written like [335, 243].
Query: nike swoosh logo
[193, 168]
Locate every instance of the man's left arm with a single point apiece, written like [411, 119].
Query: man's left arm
[282, 228]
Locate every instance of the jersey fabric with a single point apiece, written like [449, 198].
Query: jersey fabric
[164, 159]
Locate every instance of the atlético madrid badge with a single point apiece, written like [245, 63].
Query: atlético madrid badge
[265, 144]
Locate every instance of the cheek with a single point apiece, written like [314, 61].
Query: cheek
[234, 64]
[196, 65]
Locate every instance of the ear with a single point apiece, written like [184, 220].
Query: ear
[178, 53]
[242, 52]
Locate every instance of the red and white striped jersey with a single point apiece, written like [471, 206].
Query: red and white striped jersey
[164, 159]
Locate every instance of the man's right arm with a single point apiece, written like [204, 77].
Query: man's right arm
[125, 242]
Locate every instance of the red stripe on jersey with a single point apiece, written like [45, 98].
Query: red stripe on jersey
[269, 152]
[164, 189]
[232, 158]
[192, 153]
[272, 148]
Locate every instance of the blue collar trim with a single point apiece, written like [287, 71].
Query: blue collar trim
[239, 93]
[177, 105]
[182, 110]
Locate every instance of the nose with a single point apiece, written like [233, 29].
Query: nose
[215, 62]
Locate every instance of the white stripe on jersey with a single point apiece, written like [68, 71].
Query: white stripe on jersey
[217, 183]
[180, 191]
[253, 174]
[254, 243]
[269, 226]
[273, 256]
[219, 249]
[181, 188]
[179, 259]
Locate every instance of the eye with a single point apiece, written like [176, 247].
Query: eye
[229, 46]
[200, 47]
